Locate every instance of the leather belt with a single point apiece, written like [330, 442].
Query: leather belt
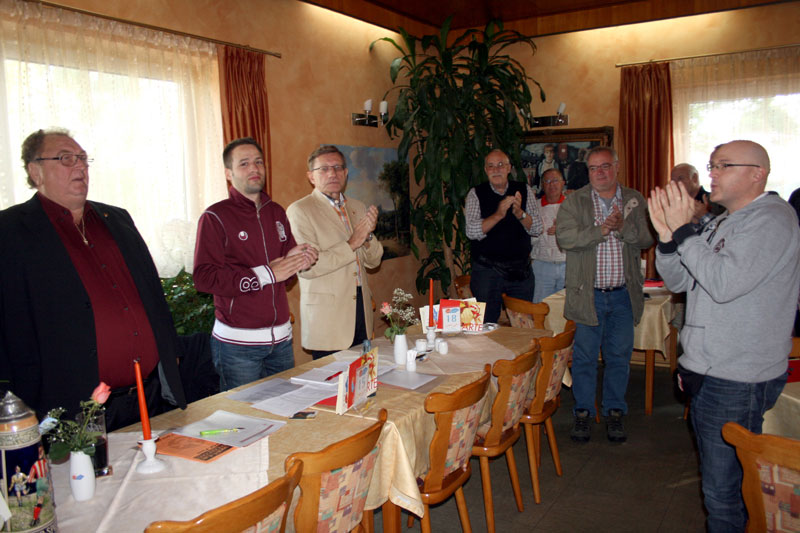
[609, 289]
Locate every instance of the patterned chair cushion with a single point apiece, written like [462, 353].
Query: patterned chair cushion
[520, 320]
[560, 362]
[780, 489]
[462, 436]
[532, 390]
[343, 493]
[270, 524]
[521, 387]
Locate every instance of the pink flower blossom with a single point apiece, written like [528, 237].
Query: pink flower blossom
[101, 393]
[386, 309]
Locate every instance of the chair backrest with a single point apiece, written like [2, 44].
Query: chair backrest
[525, 314]
[515, 379]
[795, 347]
[555, 353]
[263, 510]
[771, 480]
[457, 416]
[461, 283]
[344, 467]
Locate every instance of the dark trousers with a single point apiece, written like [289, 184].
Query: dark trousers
[360, 332]
[488, 286]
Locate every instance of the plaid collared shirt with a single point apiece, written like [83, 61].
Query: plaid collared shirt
[610, 271]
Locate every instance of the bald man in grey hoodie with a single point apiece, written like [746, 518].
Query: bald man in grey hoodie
[741, 274]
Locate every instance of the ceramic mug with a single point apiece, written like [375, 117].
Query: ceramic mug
[421, 345]
[441, 347]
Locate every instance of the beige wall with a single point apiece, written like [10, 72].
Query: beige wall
[327, 72]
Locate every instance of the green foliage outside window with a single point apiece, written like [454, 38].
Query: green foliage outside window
[192, 311]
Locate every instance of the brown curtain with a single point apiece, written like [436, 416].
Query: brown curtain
[645, 124]
[243, 91]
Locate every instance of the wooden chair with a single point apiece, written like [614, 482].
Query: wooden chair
[555, 353]
[461, 283]
[264, 510]
[344, 466]
[514, 382]
[771, 467]
[525, 314]
[457, 416]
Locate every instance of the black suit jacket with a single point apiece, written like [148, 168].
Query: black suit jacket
[48, 346]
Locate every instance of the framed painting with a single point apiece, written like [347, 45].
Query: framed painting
[376, 177]
[562, 149]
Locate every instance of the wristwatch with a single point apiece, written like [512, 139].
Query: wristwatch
[524, 214]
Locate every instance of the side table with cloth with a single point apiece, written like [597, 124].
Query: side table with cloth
[784, 417]
[653, 333]
[127, 501]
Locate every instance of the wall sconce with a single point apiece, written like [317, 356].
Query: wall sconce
[365, 119]
[559, 119]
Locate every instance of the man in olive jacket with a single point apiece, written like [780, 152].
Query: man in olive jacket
[603, 228]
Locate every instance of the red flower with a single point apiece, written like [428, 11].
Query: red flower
[101, 393]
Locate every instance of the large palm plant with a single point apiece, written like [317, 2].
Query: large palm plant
[456, 102]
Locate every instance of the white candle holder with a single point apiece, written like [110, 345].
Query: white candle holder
[151, 463]
[431, 336]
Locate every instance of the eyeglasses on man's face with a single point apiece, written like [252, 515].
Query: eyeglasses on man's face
[550, 182]
[605, 167]
[68, 159]
[723, 166]
[490, 166]
[325, 169]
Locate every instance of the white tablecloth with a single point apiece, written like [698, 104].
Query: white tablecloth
[784, 418]
[184, 489]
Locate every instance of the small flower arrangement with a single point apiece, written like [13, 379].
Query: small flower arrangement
[67, 436]
[399, 315]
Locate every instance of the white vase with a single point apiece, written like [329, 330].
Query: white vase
[81, 476]
[400, 349]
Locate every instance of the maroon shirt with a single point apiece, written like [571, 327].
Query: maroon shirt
[121, 324]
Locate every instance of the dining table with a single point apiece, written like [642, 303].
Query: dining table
[654, 332]
[784, 417]
[129, 501]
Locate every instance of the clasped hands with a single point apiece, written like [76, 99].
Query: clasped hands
[510, 202]
[301, 257]
[363, 228]
[670, 208]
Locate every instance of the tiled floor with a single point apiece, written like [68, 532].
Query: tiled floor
[649, 483]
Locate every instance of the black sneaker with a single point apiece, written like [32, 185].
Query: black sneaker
[615, 429]
[581, 430]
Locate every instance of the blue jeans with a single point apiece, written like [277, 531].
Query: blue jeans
[720, 401]
[614, 334]
[239, 365]
[488, 286]
[550, 278]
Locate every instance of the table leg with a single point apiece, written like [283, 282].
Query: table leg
[673, 348]
[391, 517]
[649, 371]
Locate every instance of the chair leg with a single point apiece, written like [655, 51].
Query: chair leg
[368, 521]
[537, 443]
[686, 408]
[512, 473]
[551, 438]
[425, 521]
[486, 483]
[410, 523]
[537, 495]
[461, 503]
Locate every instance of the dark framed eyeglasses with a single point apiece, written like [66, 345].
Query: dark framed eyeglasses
[723, 166]
[68, 160]
[326, 169]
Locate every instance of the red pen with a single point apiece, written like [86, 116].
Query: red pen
[333, 376]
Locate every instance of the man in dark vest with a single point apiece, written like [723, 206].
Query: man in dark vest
[501, 219]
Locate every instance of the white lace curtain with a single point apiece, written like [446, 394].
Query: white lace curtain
[749, 95]
[144, 104]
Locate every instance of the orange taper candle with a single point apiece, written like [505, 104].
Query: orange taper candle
[430, 303]
[142, 403]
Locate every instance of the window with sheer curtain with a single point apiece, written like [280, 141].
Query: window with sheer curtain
[748, 95]
[144, 104]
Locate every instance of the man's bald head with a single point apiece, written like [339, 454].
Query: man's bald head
[686, 174]
[739, 171]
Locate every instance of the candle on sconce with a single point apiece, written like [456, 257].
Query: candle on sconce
[142, 403]
[368, 106]
[384, 107]
[430, 303]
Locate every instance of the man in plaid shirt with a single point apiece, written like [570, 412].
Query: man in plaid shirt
[603, 228]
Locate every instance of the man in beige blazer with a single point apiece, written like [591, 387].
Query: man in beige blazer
[335, 300]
